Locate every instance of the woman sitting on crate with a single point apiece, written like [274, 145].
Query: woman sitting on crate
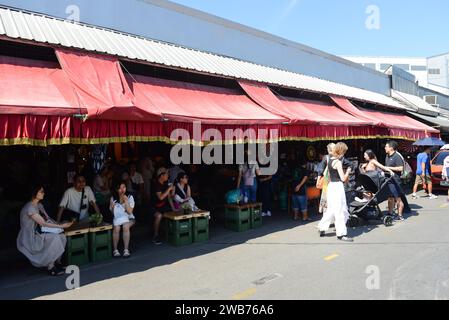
[41, 239]
[183, 194]
[122, 207]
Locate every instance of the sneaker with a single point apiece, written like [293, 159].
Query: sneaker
[268, 213]
[360, 200]
[414, 196]
[157, 241]
[322, 234]
[345, 239]
[116, 254]
[126, 254]
[264, 214]
[433, 197]
[399, 218]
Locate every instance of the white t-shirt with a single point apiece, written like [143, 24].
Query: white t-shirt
[121, 217]
[72, 200]
[136, 178]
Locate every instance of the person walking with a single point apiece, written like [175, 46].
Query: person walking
[445, 173]
[337, 209]
[423, 174]
[321, 175]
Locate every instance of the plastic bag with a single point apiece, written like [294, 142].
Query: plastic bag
[233, 196]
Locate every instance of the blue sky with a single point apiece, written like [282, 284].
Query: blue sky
[406, 28]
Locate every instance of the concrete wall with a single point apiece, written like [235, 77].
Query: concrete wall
[166, 21]
[442, 63]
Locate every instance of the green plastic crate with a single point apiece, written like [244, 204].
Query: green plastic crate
[100, 245]
[77, 250]
[201, 235]
[180, 239]
[179, 226]
[238, 225]
[256, 217]
[201, 223]
[100, 254]
[236, 214]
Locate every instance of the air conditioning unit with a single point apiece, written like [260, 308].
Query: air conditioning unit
[433, 100]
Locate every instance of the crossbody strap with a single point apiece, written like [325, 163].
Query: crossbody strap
[82, 198]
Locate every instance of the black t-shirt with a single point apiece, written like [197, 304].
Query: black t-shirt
[158, 187]
[299, 175]
[393, 161]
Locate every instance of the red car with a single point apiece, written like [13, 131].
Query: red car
[437, 169]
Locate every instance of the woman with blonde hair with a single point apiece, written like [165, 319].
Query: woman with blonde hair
[337, 209]
[322, 173]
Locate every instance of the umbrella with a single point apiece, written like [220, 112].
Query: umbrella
[429, 142]
[446, 147]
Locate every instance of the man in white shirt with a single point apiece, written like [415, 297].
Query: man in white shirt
[134, 180]
[72, 201]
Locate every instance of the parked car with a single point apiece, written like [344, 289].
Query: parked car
[437, 169]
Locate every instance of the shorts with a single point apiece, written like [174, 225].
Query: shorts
[299, 203]
[162, 210]
[420, 180]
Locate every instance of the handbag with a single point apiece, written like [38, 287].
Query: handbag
[322, 179]
[70, 215]
[407, 172]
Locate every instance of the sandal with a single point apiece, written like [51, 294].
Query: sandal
[126, 254]
[116, 254]
[54, 272]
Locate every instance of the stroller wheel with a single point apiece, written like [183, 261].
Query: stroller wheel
[388, 221]
[353, 222]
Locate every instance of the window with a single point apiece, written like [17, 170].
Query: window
[439, 160]
[419, 68]
[384, 66]
[405, 67]
[434, 71]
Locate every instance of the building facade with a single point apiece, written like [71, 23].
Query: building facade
[431, 72]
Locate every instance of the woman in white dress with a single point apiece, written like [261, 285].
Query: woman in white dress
[43, 249]
[122, 207]
[337, 209]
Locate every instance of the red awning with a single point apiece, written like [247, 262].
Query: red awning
[393, 121]
[35, 87]
[101, 86]
[188, 102]
[300, 110]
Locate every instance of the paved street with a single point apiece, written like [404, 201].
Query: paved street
[282, 260]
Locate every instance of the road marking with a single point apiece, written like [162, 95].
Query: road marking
[331, 257]
[245, 294]
[267, 279]
[444, 205]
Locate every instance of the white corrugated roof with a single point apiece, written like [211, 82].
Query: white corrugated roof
[18, 24]
[415, 102]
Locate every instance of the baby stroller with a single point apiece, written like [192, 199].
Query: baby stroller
[370, 191]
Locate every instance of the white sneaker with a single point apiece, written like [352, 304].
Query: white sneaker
[414, 196]
[264, 214]
[433, 197]
[269, 214]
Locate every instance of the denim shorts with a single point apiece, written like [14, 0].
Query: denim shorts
[299, 203]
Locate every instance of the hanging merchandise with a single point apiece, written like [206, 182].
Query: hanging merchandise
[99, 157]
